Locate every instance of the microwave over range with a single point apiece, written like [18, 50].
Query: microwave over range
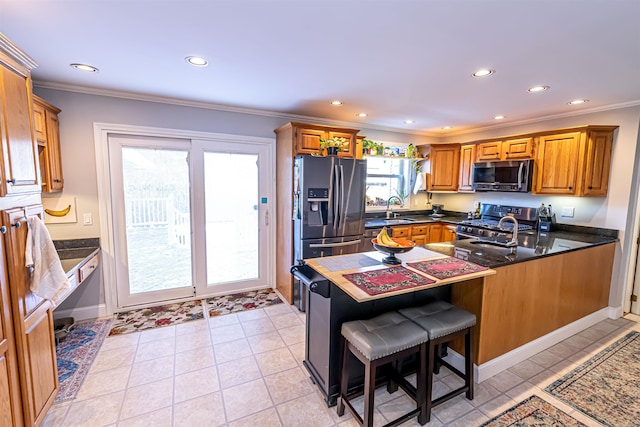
[512, 176]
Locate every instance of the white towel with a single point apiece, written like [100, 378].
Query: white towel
[47, 275]
[418, 186]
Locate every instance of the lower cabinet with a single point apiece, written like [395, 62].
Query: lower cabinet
[421, 234]
[31, 326]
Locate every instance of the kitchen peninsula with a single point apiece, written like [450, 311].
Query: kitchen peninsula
[534, 292]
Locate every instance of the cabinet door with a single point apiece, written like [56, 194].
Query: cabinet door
[307, 141]
[445, 167]
[420, 234]
[19, 161]
[557, 164]
[598, 162]
[448, 233]
[39, 122]
[489, 151]
[435, 233]
[54, 157]
[520, 148]
[403, 232]
[467, 157]
[348, 152]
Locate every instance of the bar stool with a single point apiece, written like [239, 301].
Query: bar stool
[444, 322]
[384, 339]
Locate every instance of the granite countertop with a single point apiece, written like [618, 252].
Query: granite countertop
[414, 217]
[75, 252]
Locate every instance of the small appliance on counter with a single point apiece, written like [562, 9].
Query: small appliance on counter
[437, 211]
[546, 218]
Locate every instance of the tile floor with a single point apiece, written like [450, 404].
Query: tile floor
[245, 369]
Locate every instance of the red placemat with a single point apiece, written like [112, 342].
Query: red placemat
[443, 268]
[388, 280]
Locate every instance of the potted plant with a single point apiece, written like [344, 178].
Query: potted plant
[334, 145]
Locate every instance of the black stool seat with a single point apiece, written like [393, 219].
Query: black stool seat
[384, 339]
[444, 322]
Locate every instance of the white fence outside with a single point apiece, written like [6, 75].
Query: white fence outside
[159, 212]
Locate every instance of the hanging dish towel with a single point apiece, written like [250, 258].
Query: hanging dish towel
[47, 275]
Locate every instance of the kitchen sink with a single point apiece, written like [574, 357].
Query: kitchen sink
[398, 221]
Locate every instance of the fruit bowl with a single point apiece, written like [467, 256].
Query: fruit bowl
[405, 246]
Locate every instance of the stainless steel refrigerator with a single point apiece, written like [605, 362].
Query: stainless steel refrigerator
[328, 209]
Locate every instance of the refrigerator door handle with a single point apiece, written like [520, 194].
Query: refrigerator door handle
[336, 196]
[334, 245]
[342, 201]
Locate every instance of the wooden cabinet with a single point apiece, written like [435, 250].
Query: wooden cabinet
[575, 162]
[421, 234]
[448, 232]
[401, 231]
[445, 167]
[294, 139]
[435, 233]
[19, 169]
[467, 157]
[509, 149]
[48, 139]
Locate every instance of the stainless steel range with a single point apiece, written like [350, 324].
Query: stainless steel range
[487, 226]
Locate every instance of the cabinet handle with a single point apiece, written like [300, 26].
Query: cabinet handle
[56, 180]
[570, 188]
[11, 181]
[3, 229]
[590, 188]
[17, 224]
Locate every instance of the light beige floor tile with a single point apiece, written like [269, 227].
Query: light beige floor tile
[526, 369]
[293, 334]
[289, 384]
[577, 343]
[99, 411]
[473, 418]
[258, 326]
[151, 370]
[110, 359]
[397, 407]
[55, 416]
[254, 314]
[298, 351]
[266, 418]
[157, 334]
[188, 342]
[105, 382]
[544, 378]
[118, 341]
[192, 327]
[504, 381]
[286, 321]
[225, 320]
[304, 411]
[206, 410]
[193, 360]
[226, 333]
[147, 398]
[274, 361]
[497, 405]
[265, 342]
[155, 349]
[232, 350]
[546, 358]
[238, 371]
[453, 409]
[246, 399]
[522, 391]
[482, 393]
[195, 384]
[160, 418]
[278, 309]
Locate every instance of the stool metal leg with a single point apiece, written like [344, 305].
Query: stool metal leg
[423, 385]
[344, 377]
[468, 362]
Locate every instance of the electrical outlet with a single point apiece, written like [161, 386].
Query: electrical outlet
[567, 212]
[87, 219]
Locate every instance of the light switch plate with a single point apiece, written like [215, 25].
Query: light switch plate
[87, 219]
[567, 212]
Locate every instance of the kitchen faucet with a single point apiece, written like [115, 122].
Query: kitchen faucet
[514, 239]
[389, 210]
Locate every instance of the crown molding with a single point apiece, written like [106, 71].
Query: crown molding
[16, 53]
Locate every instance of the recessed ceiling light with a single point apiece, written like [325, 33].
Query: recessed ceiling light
[197, 61]
[84, 67]
[499, 117]
[408, 122]
[577, 101]
[362, 114]
[447, 127]
[483, 73]
[537, 89]
[336, 103]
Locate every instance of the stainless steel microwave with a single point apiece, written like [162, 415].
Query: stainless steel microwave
[512, 176]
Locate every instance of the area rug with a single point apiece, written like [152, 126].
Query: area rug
[533, 411]
[443, 268]
[75, 355]
[226, 304]
[388, 280]
[153, 317]
[607, 386]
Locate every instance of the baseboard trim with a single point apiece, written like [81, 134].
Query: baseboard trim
[517, 355]
[616, 312]
[83, 313]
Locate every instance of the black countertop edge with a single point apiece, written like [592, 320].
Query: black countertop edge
[93, 242]
[604, 232]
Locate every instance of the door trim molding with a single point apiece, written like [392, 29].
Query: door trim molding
[101, 133]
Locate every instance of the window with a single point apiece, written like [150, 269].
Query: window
[387, 177]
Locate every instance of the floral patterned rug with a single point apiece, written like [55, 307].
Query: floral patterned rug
[533, 411]
[607, 386]
[153, 317]
[443, 268]
[75, 355]
[388, 280]
[218, 306]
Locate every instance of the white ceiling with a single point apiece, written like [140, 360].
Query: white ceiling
[393, 59]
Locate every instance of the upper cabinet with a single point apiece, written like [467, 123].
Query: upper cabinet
[445, 166]
[509, 149]
[467, 157]
[305, 138]
[48, 138]
[19, 169]
[574, 162]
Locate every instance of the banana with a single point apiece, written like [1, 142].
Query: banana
[63, 212]
[385, 240]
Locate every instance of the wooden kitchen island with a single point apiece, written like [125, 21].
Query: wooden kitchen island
[528, 299]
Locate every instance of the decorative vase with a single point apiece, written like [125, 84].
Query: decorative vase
[332, 151]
